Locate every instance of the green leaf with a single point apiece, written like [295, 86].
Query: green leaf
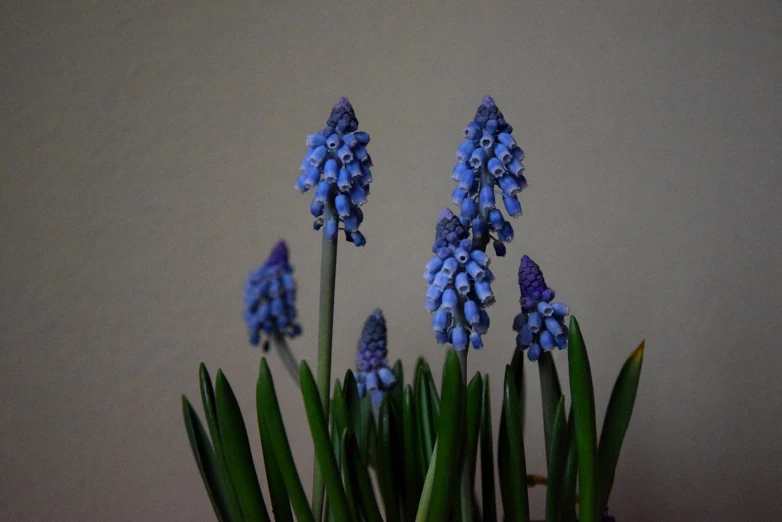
[474, 398]
[487, 457]
[281, 509]
[238, 455]
[568, 510]
[449, 441]
[385, 463]
[398, 387]
[617, 419]
[427, 423]
[517, 467]
[266, 398]
[412, 453]
[556, 463]
[322, 442]
[583, 398]
[210, 411]
[517, 367]
[426, 493]
[206, 461]
[359, 478]
[550, 392]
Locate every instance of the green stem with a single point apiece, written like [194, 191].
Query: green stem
[466, 496]
[328, 273]
[426, 494]
[287, 357]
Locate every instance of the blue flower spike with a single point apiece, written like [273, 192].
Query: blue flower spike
[489, 160]
[459, 285]
[270, 299]
[337, 165]
[541, 323]
[373, 376]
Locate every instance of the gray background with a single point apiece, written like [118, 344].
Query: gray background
[149, 151]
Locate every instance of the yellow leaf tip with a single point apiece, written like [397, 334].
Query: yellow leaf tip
[638, 353]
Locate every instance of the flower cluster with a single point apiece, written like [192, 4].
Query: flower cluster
[270, 299]
[337, 165]
[488, 157]
[373, 375]
[459, 285]
[540, 323]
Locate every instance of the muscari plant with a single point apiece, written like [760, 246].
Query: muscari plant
[386, 449]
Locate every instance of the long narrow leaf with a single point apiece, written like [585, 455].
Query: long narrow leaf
[517, 468]
[206, 461]
[238, 456]
[568, 510]
[322, 442]
[281, 509]
[385, 471]
[583, 398]
[473, 412]
[487, 457]
[426, 420]
[210, 411]
[266, 398]
[412, 453]
[550, 392]
[617, 419]
[426, 493]
[359, 477]
[449, 440]
[556, 464]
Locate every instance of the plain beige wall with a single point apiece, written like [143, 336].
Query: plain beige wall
[148, 155]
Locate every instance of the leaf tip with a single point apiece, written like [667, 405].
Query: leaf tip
[638, 353]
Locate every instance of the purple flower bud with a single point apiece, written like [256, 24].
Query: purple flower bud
[434, 264]
[343, 180]
[316, 208]
[441, 319]
[358, 194]
[553, 326]
[464, 151]
[350, 140]
[342, 204]
[512, 205]
[546, 341]
[450, 266]
[459, 338]
[534, 322]
[469, 208]
[475, 339]
[362, 137]
[322, 192]
[495, 219]
[486, 198]
[317, 156]
[449, 299]
[506, 232]
[462, 283]
[484, 293]
[545, 309]
[507, 140]
[315, 140]
[496, 167]
[354, 169]
[478, 227]
[499, 248]
[475, 270]
[509, 185]
[441, 337]
[461, 255]
[471, 312]
[487, 140]
[458, 195]
[560, 309]
[333, 141]
[533, 353]
[477, 158]
[466, 179]
[503, 153]
[481, 258]
[515, 167]
[345, 154]
[472, 131]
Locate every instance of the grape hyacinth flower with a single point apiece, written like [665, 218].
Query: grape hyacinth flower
[488, 158]
[540, 325]
[270, 299]
[459, 285]
[374, 376]
[337, 165]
